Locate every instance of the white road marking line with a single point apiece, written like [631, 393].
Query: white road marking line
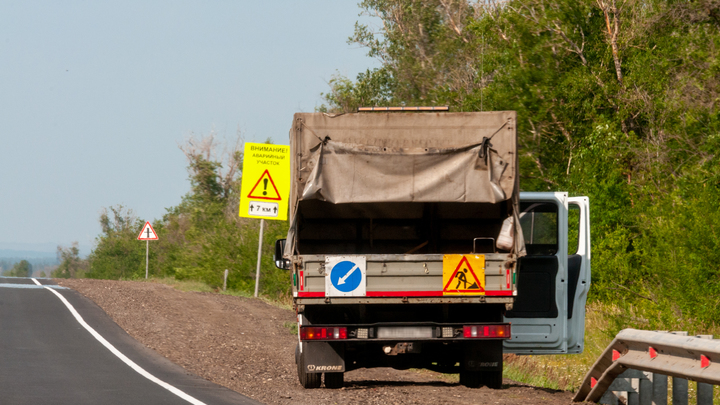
[35, 281]
[121, 356]
[30, 286]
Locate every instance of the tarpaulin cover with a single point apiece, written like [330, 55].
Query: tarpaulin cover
[391, 157]
[405, 157]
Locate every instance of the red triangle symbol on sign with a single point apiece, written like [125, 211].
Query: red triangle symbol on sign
[262, 191]
[147, 232]
[468, 285]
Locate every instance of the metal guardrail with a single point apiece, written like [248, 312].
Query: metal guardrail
[658, 354]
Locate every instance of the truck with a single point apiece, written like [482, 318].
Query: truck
[411, 246]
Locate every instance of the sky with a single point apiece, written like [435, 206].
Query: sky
[95, 98]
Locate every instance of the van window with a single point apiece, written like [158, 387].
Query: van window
[573, 229]
[539, 222]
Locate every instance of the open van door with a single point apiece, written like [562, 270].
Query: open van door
[548, 316]
[578, 271]
[539, 314]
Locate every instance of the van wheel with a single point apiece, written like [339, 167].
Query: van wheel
[334, 380]
[307, 380]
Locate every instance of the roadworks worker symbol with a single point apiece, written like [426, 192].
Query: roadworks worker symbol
[464, 275]
[265, 188]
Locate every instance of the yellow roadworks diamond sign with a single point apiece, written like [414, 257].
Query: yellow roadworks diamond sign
[265, 185]
[464, 274]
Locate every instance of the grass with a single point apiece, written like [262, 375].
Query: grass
[181, 285]
[283, 302]
[280, 302]
[567, 371]
[292, 327]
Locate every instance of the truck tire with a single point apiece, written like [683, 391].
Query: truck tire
[334, 380]
[471, 379]
[307, 380]
[492, 379]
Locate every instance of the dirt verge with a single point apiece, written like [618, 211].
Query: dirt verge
[247, 345]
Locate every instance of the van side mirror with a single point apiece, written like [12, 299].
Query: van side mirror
[280, 262]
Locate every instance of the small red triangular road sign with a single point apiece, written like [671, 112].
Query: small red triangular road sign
[469, 285]
[264, 192]
[147, 233]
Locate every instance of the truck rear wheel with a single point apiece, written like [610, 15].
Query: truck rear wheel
[492, 379]
[476, 379]
[307, 380]
[471, 379]
[334, 380]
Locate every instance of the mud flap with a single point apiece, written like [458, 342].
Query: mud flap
[322, 357]
[483, 356]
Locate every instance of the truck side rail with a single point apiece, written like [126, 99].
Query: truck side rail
[668, 354]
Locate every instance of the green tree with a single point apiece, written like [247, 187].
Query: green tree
[118, 254]
[71, 265]
[615, 100]
[22, 268]
[204, 234]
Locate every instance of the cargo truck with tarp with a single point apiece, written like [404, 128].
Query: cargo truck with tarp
[411, 246]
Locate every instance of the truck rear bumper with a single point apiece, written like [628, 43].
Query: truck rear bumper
[405, 331]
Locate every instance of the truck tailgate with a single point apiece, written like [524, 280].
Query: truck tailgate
[414, 276]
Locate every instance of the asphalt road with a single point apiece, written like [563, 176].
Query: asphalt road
[48, 357]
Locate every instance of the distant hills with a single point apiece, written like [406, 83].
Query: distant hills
[42, 261]
[42, 266]
[26, 254]
[42, 250]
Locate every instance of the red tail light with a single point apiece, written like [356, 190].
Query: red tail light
[487, 331]
[322, 333]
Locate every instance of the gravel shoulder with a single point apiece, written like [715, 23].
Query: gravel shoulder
[246, 345]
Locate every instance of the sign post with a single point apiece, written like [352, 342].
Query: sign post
[147, 234]
[257, 268]
[265, 188]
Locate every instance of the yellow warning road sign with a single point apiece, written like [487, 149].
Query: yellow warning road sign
[265, 187]
[464, 274]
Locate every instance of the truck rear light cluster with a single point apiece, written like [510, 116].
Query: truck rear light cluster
[487, 331]
[322, 333]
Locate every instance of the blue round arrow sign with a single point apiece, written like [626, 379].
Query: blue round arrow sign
[346, 276]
